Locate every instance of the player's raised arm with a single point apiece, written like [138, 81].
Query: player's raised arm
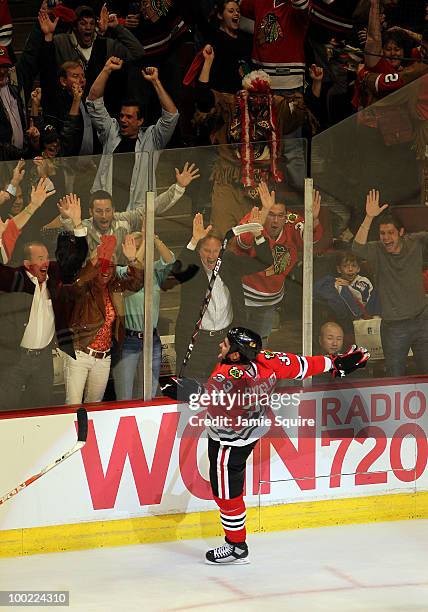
[288, 365]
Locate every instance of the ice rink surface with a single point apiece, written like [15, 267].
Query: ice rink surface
[374, 567]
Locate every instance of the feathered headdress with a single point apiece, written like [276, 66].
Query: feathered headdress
[257, 84]
[257, 81]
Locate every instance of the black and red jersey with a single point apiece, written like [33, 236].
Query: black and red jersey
[333, 18]
[266, 288]
[280, 28]
[237, 396]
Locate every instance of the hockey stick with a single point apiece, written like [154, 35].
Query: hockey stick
[82, 433]
[234, 231]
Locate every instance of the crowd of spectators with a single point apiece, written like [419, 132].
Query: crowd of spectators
[99, 90]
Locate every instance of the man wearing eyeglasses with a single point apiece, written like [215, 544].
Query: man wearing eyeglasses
[264, 290]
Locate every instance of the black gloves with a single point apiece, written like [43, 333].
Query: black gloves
[181, 388]
[348, 362]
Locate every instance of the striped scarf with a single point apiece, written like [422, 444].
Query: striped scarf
[260, 103]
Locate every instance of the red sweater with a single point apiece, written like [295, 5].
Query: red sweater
[279, 35]
[267, 288]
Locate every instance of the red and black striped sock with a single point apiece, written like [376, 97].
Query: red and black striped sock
[232, 516]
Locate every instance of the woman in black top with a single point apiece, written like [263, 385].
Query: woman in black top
[232, 47]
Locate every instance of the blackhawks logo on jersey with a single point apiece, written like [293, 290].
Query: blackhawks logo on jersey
[269, 30]
[236, 372]
[269, 354]
[281, 260]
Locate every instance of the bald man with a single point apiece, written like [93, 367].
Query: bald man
[331, 338]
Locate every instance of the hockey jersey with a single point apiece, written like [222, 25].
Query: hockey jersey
[413, 100]
[387, 82]
[362, 97]
[334, 17]
[267, 288]
[174, 24]
[238, 395]
[279, 35]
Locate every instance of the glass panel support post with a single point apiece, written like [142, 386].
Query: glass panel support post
[308, 254]
[148, 294]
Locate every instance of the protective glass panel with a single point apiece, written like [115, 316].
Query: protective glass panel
[368, 278]
[63, 323]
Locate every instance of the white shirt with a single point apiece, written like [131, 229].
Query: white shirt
[219, 313]
[86, 52]
[40, 328]
[41, 324]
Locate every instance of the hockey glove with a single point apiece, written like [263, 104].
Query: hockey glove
[348, 362]
[181, 388]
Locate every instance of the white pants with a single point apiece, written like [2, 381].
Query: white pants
[85, 374]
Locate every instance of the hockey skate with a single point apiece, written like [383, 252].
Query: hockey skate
[228, 553]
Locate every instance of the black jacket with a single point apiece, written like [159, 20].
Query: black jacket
[190, 272]
[56, 104]
[15, 303]
[21, 82]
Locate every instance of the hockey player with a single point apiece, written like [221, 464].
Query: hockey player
[243, 374]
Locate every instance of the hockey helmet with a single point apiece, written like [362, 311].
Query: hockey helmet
[244, 341]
